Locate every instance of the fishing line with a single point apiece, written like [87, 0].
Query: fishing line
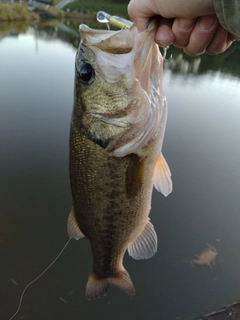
[39, 276]
[165, 49]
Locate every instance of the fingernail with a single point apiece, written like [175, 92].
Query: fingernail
[163, 42]
[207, 22]
[164, 36]
[185, 25]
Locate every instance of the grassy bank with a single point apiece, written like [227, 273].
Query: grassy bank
[114, 7]
[50, 13]
[79, 9]
[16, 12]
[20, 12]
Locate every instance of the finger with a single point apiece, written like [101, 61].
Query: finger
[140, 12]
[182, 29]
[164, 35]
[201, 35]
[220, 42]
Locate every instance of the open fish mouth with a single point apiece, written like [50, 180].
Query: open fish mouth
[116, 42]
[109, 41]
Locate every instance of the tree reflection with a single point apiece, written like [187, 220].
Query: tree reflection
[227, 62]
[13, 27]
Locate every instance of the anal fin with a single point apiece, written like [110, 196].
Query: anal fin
[162, 176]
[73, 229]
[145, 245]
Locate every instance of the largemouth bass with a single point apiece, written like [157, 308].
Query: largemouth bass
[116, 138]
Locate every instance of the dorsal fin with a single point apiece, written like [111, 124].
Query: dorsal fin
[145, 245]
[73, 229]
[162, 176]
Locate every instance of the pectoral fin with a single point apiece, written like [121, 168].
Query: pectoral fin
[73, 229]
[145, 246]
[162, 176]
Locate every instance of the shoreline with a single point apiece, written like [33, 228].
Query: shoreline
[20, 12]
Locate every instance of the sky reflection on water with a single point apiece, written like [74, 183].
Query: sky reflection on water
[202, 148]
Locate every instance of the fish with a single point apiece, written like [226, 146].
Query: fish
[117, 130]
[206, 257]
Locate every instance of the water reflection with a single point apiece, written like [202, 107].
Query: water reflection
[202, 148]
[226, 63]
[13, 27]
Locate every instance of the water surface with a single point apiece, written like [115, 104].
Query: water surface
[201, 146]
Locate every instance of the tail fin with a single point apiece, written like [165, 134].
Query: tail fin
[98, 287]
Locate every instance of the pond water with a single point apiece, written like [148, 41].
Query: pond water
[202, 149]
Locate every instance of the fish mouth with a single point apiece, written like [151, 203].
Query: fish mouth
[116, 42]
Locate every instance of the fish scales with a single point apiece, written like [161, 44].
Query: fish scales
[107, 210]
[116, 137]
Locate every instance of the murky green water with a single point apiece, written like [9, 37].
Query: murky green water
[201, 146]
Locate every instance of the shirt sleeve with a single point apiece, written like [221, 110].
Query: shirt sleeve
[228, 13]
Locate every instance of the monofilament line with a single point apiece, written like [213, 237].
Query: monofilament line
[21, 298]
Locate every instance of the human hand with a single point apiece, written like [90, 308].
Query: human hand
[191, 25]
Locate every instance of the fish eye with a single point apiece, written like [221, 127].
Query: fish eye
[86, 73]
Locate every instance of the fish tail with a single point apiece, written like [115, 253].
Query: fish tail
[98, 287]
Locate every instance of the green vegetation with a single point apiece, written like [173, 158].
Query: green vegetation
[51, 12]
[20, 12]
[87, 9]
[56, 12]
[114, 7]
[10, 12]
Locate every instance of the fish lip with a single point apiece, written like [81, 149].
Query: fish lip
[83, 27]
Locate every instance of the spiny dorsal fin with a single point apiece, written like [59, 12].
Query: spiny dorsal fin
[98, 287]
[145, 246]
[73, 229]
[162, 176]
